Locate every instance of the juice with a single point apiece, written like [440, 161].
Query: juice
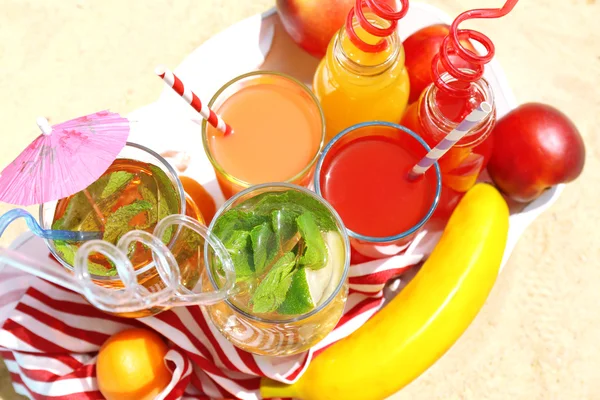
[278, 132]
[363, 174]
[291, 257]
[129, 195]
[354, 86]
[368, 177]
[137, 190]
[437, 113]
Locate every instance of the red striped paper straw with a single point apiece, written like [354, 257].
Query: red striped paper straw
[175, 83]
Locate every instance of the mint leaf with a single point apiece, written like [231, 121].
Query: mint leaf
[263, 246]
[298, 299]
[271, 291]
[168, 196]
[117, 223]
[80, 215]
[188, 252]
[150, 196]
[78, 208]
[67, 252]
[233, 229]
[233, 220]
[269, 202]
[295, 202]
[315, 256]
[79, 212]
[116, 181]
[240, 250]
[159, 210]
[284, 226]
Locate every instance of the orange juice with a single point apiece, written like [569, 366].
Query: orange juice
[278, 131]
[354, 86]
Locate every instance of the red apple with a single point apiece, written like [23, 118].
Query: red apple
[420, 48]
[535, 146]
[312, 23]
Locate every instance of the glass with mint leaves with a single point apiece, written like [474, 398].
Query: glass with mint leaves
[291, 257]
[139, 189]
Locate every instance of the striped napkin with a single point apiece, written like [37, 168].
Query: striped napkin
[50, 336]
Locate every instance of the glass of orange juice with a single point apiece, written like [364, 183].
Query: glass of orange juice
[279, 130]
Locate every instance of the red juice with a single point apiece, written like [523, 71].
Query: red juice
[366, 180]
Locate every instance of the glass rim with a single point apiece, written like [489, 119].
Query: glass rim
[150, 264]
[438, 174]
[204, 132]
[343, 233]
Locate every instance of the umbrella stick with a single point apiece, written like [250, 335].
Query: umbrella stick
[95, 207]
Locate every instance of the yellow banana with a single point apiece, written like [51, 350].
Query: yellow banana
[418, 326]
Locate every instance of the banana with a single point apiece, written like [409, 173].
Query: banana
[424, 320]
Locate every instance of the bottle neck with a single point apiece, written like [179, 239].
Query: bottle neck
[440, 111]
[362, 63]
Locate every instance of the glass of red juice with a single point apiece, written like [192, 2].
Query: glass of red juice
[363, 174]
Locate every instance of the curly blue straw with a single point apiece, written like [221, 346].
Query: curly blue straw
[75, 236]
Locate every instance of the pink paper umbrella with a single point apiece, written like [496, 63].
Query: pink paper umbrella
[65, 159]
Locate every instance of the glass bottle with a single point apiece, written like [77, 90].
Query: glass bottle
[437, 112]
[356, 86]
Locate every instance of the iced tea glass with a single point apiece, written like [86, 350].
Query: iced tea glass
[140, 188]
[301, 312]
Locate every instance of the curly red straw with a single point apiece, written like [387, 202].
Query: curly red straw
[383, 11]
[452, 46]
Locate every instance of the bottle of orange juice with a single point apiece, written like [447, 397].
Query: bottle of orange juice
[363, 77]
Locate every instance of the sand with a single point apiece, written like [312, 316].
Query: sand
[536, 338]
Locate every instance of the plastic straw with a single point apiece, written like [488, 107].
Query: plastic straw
[452, 51]
[382, 10]
[177, 85]
[474, 118]
[45, 270]
[77, 236]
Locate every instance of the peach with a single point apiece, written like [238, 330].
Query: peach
[312, 23]
[535, 147]
[420, 48]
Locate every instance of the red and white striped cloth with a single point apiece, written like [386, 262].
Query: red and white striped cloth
[49, 337]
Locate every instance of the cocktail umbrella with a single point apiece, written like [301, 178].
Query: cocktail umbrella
[65, 159]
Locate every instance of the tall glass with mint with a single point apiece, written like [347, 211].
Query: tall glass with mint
[139, 189]
[291, 257]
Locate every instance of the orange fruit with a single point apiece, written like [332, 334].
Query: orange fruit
[131, 366]
[201, 197]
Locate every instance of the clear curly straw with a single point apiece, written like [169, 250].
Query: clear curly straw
[133, 297]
